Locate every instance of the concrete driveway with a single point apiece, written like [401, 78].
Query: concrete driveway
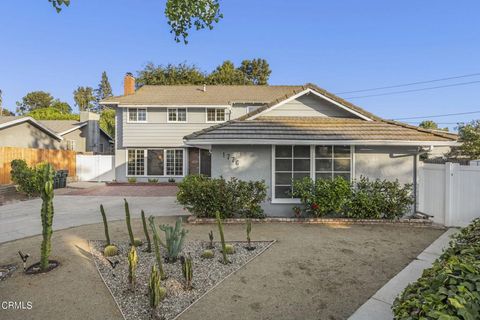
[22, 219]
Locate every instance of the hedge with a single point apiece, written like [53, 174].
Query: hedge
[450, 289]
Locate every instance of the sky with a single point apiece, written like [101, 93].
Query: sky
[338, 45]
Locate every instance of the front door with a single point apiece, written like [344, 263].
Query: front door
[205, 162]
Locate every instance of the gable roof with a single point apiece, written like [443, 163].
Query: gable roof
[63, 126]
[8, 121]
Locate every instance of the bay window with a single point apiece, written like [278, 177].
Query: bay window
[155, 162]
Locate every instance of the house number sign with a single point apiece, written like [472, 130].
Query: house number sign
[232, 158]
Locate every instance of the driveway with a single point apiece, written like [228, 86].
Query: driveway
[79, 206]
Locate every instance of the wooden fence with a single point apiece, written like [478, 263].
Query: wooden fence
[60, 159]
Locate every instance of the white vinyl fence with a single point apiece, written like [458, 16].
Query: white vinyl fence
[95, 167]
[449, 192]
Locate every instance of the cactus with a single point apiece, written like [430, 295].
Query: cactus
[110, 251]
[222, 238]
[207, 254]
[137, 242]
[129, 225]
[187, 268]
[105, 224]
[174, 238]
[156, 244]
[147, 236]
[229, 249]
[249, 229]
[210, 236]
[156, 292]
[132, 266]
[46, 193]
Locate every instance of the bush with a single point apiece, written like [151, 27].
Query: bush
[322, 197]
[28, 179]
[132, 180]
[203, 196]
[450, 288]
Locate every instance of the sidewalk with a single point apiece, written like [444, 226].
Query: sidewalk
[379, 306]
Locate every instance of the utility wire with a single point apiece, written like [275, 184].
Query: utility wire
[414, 90]
[411, 83]
[439, 115]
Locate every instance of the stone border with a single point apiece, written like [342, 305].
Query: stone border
[408, 222]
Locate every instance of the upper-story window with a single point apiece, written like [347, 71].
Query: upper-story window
[137, 115]
[177, 115]
[215, 115]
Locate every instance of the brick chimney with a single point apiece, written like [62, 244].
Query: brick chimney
[128, 84]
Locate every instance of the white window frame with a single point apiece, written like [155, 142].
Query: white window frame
[71, 145]
[145, 163]
[312, 171]
[137, 121]
[176, 113]
[216, 110]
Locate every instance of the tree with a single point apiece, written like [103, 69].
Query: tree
[469, 134]
[84, 98]
[170, 75]
[107, 121]
[257, 71]
[34, 100]
[3, 111]
[226, 73]
[61, 106]
[181, 15]
[431, 125]
[52, 113]
[103, 91]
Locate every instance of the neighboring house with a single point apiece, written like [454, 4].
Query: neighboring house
[271, 133]
[81, 136]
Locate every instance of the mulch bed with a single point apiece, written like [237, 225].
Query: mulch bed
[207, 273]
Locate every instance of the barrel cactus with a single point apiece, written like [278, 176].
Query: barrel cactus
[46, 193]
[110, 251]
[229, 249]
[207, 254]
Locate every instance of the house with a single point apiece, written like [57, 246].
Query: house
[80, 136]
[274, 133]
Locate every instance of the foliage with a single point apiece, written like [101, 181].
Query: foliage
[229, 249]
[152, 180]
[174, 239]
[57, 4]
[226, 73]
[46, 193]
[103, 91]
[203, 196]
[169, 75]
[322, 197]
[450, 288]
[132, 180]
[110, 251]
[256, 71]
[182, 15]
[222, 237]
[171, 180]
[24, 177]
[156, 292]
[34, 100]
[129, 224]
[187, 270]
[107, 121]
[207, 254]
[84, 98]
[469, 134]
[52, 113]
[61, 106]
[248, 224]
[147, 236]
[105, 224]
[132, 266]
[156, 244]
[431, 125]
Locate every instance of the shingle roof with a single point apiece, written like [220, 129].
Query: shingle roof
[214, 95]
[60, 126]
[316, 128]
[5, 119]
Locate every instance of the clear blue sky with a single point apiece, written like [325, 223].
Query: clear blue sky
[339, 45]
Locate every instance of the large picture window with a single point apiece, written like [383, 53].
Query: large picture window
[155, 162]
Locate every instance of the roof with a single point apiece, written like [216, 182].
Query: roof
[214, 95]
[63, 126]
[8, 121]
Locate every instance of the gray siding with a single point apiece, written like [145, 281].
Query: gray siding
[79, 136]
[26, 135]
[309, 106]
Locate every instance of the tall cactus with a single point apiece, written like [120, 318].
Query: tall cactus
[105, 224]
[249, 230]
[174, 239]
[156, 244]
[210, 236]
[147, 236]
[222, 238]
[129, 224]
[132, 266]
[46, 193]
[187, 269]
[156, 293]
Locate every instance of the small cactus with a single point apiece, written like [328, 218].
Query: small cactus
[110, 251]
[207, 254]
[156, 292]
[222, 238]
[105, 224]
[187, 269]
[129, 224]
[147, 236]
[137, 242]
[210, 236]
[132, 266]
[229, 249]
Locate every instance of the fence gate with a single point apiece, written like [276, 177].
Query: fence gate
[95, 167]
[449, 192]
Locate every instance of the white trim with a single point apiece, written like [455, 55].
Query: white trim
[216, 121]
[34, 122]
[181, 106]
[137, 121]
[319, 142]
[306, 91]
[73, 129]
[145, 163]
[176, 112]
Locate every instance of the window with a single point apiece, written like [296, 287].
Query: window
[136, 162]
[215, 115]
[71, 144]
[332, 161]
[174, 165]
[155, 162]
[291, 163]
[177, 115]
[137, 115]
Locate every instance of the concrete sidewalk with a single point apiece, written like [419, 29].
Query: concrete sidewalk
[379, 306]
[22, 219]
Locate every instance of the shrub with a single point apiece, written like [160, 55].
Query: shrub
[203, 196]
[132, 180]
[450, 288]
[26, 178]
[322, 197]
[152, 180]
